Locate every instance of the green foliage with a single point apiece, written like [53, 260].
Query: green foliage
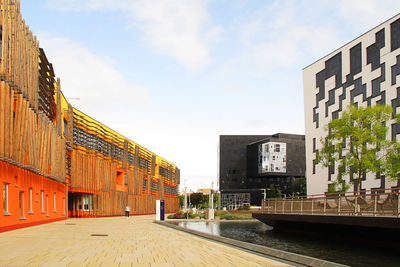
[186, 215]
[332, 187]
[300, 185]
[246, 207]
[205, 202]
[226, 215]
[338, 187]
[357, 143]
[216, 202]
[271, 193]
[279, 193]
[181, 198]
[197, 199]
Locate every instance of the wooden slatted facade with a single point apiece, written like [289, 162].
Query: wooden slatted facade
[56, 161]
[109, 171]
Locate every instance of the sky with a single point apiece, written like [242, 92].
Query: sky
[174, 75]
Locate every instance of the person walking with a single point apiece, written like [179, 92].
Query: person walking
[127, 210]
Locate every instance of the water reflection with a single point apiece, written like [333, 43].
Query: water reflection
[258, 233]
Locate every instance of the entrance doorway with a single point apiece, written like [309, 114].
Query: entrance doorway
[82, 204]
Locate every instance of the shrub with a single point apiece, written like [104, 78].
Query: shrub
[221, 212]
[193, 215]
[177, 216]
[228, 216]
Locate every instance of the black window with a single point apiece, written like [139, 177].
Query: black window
[314, 145]
[277, 148]
[355, 59]
[65, 127]
[395, 34]
[313, 166]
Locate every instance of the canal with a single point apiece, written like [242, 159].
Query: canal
[318, 247]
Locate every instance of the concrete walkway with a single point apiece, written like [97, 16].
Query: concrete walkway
[134, 241]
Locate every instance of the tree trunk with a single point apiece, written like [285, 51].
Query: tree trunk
[359, 181]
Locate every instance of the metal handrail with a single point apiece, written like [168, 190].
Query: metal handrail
[375, 202]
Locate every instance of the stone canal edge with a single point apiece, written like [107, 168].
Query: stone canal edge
[290, 258]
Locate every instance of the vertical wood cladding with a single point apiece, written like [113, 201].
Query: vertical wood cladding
[32, 149]
[102, 170]
[115, 169]
[46, 100]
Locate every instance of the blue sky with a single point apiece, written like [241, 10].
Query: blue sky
[173, 75]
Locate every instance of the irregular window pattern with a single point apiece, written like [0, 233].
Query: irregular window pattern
[170, 190]
[97, 144]
[362, 82]
[153, 186]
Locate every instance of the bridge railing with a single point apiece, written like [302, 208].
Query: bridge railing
[376, 202]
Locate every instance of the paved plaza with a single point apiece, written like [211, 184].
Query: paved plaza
[134, 241]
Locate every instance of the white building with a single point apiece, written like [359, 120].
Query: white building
[272, 157]
[366, 71]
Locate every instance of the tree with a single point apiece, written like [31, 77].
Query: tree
[357, 143]
[271, 192]
[206, 199]
[197, 198]
[181, 199]
[300, 185]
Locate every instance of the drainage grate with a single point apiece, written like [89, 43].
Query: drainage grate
[99, 234]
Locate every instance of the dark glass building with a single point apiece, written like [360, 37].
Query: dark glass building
[250, 163]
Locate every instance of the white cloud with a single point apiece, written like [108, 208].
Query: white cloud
[367, 13]
[100, 87]
[76, 5]
[279, 36]
[177, 28]
[108, 98]
[234, 88]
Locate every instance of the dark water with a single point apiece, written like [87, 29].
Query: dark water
[318, 247]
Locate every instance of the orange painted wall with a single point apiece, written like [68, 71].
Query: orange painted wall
[25, 180]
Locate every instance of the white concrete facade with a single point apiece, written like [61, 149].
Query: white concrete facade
[272, 157]
[365, 71]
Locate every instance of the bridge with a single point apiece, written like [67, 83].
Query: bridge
[381, 202]
[370, 215]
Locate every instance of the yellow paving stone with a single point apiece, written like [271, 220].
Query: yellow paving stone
[92, 264]
[162, 264]
[130, 242]
[125, 264]
[108, 264]
[55, 264]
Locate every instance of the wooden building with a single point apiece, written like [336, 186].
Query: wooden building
[56, 161]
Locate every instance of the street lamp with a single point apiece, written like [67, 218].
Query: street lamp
[190, 203]
[211, 203]
[219, 196]
[185, 196]
[264, 193]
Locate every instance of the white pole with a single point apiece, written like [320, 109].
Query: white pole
[212, 195]
[185, 200]
[190, 203]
